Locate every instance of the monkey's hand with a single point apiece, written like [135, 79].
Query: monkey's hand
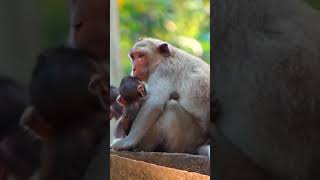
[122, 144]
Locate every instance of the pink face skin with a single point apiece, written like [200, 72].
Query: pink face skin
[140, 64]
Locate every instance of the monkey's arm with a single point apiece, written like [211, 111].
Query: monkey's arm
[146, 118]
[120, 129]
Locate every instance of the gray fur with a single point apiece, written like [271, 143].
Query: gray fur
[266, 70]
[184, 126]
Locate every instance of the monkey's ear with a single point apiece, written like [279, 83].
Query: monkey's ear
[141, 90]
[95, 84]
[164, 49]
[141, 38]
[120, 100]
[36, 124]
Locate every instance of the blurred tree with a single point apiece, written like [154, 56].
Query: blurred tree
[55, 19]
[314, 3]
[26, 28]
[20, 38]
[115, 66]
[184, 23]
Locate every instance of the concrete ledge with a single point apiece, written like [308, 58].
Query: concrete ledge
[153, 165]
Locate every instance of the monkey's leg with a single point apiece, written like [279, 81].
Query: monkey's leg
[169, 132]
[152, 140]
[179, 129]
[119, 131]
[145, 120]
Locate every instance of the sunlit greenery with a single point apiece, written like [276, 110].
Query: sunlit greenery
[314, 3]
[55, 18]
[183, 23]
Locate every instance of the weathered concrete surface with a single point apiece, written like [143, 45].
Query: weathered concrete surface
[153, 165]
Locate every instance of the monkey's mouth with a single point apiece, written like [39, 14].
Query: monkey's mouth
[114, 113]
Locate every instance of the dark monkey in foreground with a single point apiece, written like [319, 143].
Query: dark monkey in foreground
[69, 112]
[19, 151]
[266, 63]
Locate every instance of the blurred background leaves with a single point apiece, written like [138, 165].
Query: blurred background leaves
[55, 21]
[183, 23]
[314, 3]
[27, 28]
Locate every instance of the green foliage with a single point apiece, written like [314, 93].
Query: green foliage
[314, 3]
[55, 19]
[183, 23]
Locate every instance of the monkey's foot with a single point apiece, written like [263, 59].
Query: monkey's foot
[121, 144]
[114, 141]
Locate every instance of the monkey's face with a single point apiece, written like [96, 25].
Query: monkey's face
[140, 64]
[88, 29]
[131, 94]
[146, 54]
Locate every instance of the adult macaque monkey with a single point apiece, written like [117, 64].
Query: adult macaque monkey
[167, 69]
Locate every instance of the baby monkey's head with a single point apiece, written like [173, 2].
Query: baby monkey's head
[131, 90]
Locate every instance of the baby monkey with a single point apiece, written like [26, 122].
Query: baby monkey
[115, 108]
[132, 95]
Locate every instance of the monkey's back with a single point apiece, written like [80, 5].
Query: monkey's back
[190, 77]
